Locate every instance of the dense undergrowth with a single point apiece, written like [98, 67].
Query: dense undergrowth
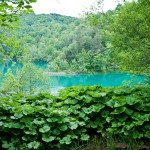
[74, 116]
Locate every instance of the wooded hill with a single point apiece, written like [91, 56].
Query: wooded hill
[91, 44]
[66, 43]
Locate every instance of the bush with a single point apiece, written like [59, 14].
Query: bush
[76, 114]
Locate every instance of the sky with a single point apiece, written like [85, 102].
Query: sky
[73, 8]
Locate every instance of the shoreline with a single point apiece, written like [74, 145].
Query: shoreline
[54, 73]
[72, 73]
[58, 73]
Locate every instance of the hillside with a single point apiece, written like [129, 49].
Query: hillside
[66, 43]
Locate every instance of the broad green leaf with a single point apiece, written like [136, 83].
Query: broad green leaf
[73, 101]
[117, 124]
[123, 117]
[18, 115]
[94, 94]
[39, 122]
[105, 113]
[25, 138]
[108, 119]
[49, 120]
[81, 114]
[103, 94]
[93, 124]
[111, 130]
[110, 103]
[73, 125]
[140, 117]
[16, 125]
[30, 132]
[34, 145]
[74, 136]
[1, 123]
[86, 110]
[86, 98]
[56, 132]
[119, 91]
[137, 134]
[63, 127]
[81, 123]
[66, 140]
[48, 139]
[73, 94]
[5, 145]
[119, 110]
[27, 109]
[58, 104]
[99, 106]
[128, 111]
[139, 106]
[92, 88]
[44, 129]
[77, 106]
[85, 137]
[3, 117]
[129, 126]
[119, 103]
[132, 99]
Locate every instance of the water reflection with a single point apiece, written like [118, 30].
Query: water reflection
[105, 80]
[59, 82]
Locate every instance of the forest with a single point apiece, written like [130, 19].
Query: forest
[63, 42]
[78, 117]
[105, 42]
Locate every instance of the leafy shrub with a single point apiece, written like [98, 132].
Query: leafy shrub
[74, 115]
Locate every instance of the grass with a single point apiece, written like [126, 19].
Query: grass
[111, 144]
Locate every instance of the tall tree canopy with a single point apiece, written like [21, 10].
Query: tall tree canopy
[9, 15]
[127, 29]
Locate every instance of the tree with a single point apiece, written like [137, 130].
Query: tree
[29, 79]
[129, 34]
[9, 16]
[127, 30]
[9, 10]
[12, 47]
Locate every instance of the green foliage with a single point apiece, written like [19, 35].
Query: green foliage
[76, 114]
[9, 10]
[11, 46]
[126, 30]
[130, 36]
[29, 79]
[65, 43]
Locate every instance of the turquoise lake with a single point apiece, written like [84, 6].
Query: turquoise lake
[61, 81]
[105, 80]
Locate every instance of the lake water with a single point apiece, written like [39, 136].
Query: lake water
[61, 81]
[105, 80]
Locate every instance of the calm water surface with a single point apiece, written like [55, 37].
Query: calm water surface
[105, 80]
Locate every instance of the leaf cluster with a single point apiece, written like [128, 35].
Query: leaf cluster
[126, 29]
[9, 10]
[75, 114]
